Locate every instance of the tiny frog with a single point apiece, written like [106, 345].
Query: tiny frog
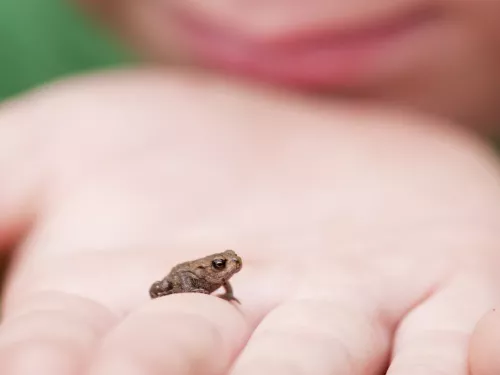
[204, 275]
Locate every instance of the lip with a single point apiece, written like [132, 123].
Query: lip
[315, 59]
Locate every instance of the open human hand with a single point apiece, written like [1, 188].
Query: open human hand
[368, 239]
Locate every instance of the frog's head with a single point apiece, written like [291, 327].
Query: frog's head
[218, 268]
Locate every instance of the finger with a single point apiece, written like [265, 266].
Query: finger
[51, 334]
[433, 339]
[59, 307]
[180, 335]
[59, 331]
[115, 283]
[316, 337]
[483, 351]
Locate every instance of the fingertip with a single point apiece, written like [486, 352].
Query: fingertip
[483, 349]
[177, 310]
[315, 337]
[180, 333]
[41, 357]
[51, 334]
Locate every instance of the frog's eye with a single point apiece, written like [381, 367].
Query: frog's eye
[219, 264]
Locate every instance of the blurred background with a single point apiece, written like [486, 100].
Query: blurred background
[42, 40]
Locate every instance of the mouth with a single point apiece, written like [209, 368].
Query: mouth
[309, 59]
[154, 294]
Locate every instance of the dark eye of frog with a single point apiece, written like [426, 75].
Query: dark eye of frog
[219, 264]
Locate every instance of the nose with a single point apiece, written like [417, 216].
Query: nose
[238, 261]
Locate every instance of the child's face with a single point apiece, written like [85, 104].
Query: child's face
[438, 55]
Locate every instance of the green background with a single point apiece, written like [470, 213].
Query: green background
[42, 40]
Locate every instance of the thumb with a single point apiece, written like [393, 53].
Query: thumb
[483, 351]
[21, 169]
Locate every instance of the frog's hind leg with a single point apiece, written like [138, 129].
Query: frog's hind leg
[160, 289]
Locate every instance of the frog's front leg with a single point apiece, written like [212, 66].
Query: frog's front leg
[228, 295]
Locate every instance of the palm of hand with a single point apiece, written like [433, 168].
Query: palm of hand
[342, 268]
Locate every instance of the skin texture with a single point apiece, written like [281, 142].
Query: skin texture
[204, 275]
[370, 236]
